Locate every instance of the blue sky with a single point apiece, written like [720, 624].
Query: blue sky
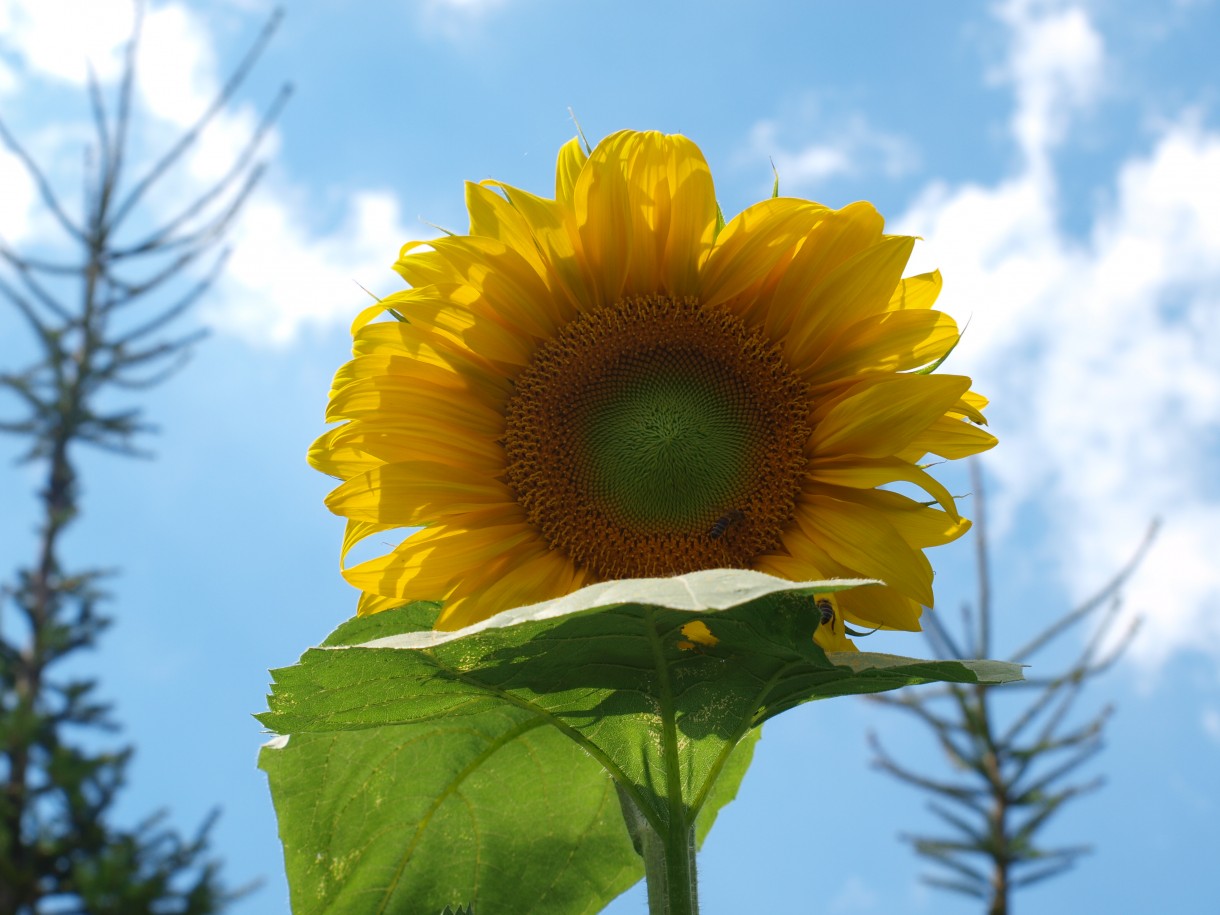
[1060, 160]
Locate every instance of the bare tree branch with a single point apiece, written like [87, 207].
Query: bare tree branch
[164, 234]
[45, 191]
[209, 233]
[188, 139]
[1107, 591]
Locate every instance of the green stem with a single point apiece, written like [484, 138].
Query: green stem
[680, 878]
[669, 860]
[669, 869]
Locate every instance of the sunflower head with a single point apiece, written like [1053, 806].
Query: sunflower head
[615, 384]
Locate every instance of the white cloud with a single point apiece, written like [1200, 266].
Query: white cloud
[458, 21]
[60, 38]
[855, 148]
[854, 896]
[18, 192]
[281, 278]
[1055, 68]
[8, 79]
[282, 275]
[1101, 354]
[468, 7]
[1211, 723]
[177, 67]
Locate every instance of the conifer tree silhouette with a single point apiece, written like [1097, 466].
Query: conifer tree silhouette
[100, 319]
[1012, 760]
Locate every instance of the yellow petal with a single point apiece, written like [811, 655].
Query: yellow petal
[493, 216]
[399, 338]
[510, 292]
[870, 606]
[970, 406]
[921, 526]
[856, 289]
[571, 160]
[376, 603]
[555, 234]
[354, 448]
[864, 540]
[802, 560]
[368, 314]
[893, 341]
[439, 374]
[428, 564]
[699, 634]
[414, 403]
[753, 243]
[601, 203]
[975, 400]
[415, 492]
[840, 237]
[862, 473]
[949, 438]
[531, 574]
[916, 292]
[873, 606]
[681, 216]
[881, 418]
[834, 638]
[355, 531]
[458, 314]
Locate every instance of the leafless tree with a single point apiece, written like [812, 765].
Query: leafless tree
[101, 320]
[1012, 772]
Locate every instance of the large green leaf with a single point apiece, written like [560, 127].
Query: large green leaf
[418, 816]
[497, 808]
[506, 726]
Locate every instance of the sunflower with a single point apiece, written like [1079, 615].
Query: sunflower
[617, 384]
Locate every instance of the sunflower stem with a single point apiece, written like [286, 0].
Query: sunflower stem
[669, 869]
[682, 894]
[669, 859]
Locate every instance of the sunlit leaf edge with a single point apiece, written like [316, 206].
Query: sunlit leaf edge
[706, 591]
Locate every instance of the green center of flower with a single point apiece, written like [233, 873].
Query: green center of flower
[654, 437]
[668, 439]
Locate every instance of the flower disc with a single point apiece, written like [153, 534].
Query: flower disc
[655, 437]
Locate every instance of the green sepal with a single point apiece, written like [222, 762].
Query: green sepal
[929, 369]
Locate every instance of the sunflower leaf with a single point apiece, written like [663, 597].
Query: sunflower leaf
[494, 808]
[490, 744]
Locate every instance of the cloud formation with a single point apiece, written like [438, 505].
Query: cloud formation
[18, 192]
[855, 147]
[62, 38]
[1100, 353]
[283, 276]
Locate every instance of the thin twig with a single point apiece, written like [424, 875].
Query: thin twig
[188, 139]
[236, 170]
[1107, 590]
[45, 191]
